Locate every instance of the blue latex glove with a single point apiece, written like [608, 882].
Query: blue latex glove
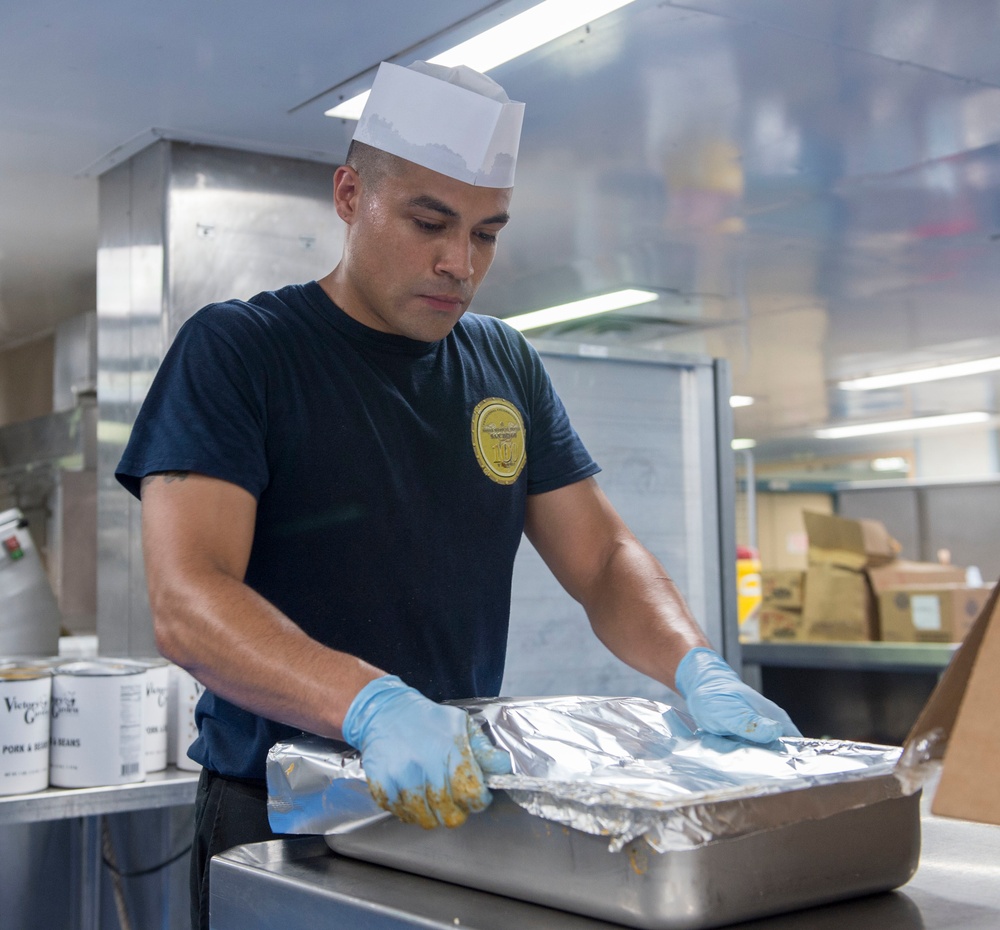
[424, 761]
[721, 703]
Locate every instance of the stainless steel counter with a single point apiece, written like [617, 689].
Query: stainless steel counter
[300, 883]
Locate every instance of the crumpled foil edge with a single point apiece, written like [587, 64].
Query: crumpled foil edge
[318, 786]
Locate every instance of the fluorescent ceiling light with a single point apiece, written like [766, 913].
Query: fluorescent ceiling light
[900, 426]
[740, 444]
[920, 375]
[740, 400]
[352, 108]
[590, 306]
[519, 34]
[891, 463]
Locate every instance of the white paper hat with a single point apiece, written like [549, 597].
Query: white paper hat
[455, 121]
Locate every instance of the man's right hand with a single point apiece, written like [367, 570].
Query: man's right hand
[424, 761]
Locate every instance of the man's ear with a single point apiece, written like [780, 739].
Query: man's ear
[346, 193]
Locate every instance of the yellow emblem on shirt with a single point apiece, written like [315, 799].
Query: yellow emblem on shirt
[498, 439]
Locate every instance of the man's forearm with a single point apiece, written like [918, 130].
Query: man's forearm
[197, 536]
[637, 612]
[245, 650]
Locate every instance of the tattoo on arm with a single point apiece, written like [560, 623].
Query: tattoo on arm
[167, 476]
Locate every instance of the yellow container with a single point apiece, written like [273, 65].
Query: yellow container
[748, 587]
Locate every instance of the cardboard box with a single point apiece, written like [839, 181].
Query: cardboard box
[782, 589]
[839, 605]
[929, 613]
[854, 544]
[958, 723]
[902, 573]
[776, 625]
[839, 601]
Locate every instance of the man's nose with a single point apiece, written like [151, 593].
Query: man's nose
[455, 259]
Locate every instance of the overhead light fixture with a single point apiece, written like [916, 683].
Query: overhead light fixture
[590, 306]
[513, 37]
[740, 400]
[739, 445]
[890, 463]
[901, 426]
[920, 375]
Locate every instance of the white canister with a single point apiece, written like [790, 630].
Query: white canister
[155, 713]
[185, 690]
[25, 695]
[97, 724]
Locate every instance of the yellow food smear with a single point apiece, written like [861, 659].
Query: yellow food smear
[638, 860]
[450, 806]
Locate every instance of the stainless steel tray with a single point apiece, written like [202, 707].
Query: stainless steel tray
[508, 851]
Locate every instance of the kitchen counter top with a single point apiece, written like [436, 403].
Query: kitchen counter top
[300, 883]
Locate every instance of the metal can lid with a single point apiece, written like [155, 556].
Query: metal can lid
[144, 661]
[100, 668]
[34, 661]
[24, 673]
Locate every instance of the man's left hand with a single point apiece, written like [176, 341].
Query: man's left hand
[721, 703]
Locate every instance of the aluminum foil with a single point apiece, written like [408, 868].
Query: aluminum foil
[617, 767]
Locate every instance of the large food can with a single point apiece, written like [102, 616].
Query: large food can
[156, 713]
[185, 691]
[25, 696]
[97, 724]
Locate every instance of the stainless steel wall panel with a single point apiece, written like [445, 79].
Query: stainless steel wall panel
[181, 226]
[147, 343]
[114, 410]
[240, 224]
[74, 367]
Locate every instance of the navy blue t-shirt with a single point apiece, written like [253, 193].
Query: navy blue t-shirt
[390, 475]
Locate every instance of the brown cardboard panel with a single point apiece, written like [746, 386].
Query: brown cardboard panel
[839, 605]
[780, 626]
[782, 589]
[941, 710]
[852, 544]
[970, 776]
[929, 613]
[900, 573]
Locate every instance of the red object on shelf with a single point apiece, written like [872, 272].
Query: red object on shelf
[13, 547]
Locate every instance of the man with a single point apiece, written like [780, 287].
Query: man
[335, 478]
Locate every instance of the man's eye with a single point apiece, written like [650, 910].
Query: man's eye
[428, 227]
[487, 237]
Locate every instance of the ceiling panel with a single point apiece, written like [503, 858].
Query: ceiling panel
[813, 189]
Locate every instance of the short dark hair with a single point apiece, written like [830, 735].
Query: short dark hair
[372, 164]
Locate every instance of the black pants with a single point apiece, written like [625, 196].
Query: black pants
[227, 812]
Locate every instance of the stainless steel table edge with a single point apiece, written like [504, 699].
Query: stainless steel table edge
[888, 657]
[169, 788]
[302, 884]
[289, 883]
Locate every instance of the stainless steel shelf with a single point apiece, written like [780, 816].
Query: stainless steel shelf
[888, 657]
[169, 788]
